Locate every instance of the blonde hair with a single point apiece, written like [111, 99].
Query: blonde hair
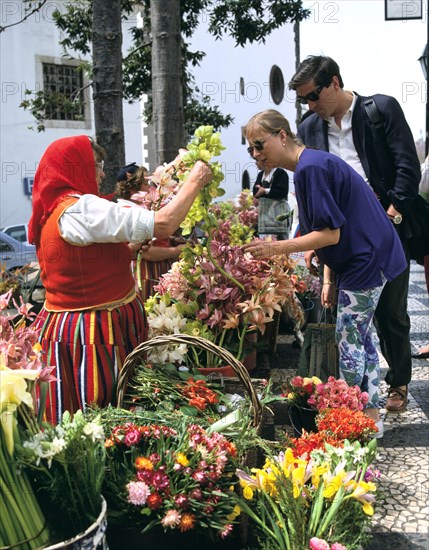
[269, 121]
[125, 189]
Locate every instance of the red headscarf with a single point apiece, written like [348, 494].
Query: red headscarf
[68, 166]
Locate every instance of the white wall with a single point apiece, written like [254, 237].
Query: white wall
[21, 148]
[219, 77]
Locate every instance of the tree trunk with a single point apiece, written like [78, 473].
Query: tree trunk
[167, 95]
[107, 87]
[297, 39]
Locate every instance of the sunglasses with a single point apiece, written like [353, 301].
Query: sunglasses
[312, 96]
[259, 143]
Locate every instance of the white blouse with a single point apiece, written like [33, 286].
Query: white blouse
[95, 220]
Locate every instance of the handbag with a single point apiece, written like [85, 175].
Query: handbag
[319, 353]
[268, 212]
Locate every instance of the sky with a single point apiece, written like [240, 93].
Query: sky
[374, 55]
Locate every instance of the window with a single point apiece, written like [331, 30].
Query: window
[65, 84]
[18, 232]
[277, 84]
[66, 90]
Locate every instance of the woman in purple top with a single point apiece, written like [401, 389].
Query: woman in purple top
[340, 218]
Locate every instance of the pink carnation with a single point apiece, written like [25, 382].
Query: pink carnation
[138, 492]
[318, 544]
[338, 546]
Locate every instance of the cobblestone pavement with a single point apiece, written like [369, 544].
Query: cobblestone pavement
[402, 517]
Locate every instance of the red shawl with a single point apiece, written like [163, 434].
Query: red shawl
[67, 167]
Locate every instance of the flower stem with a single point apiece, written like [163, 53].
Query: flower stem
[218, 267]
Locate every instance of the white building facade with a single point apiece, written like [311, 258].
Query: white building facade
[31, 59]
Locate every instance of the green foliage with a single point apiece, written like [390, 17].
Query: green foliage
[245, 20]
[42, 105]
[253, 20]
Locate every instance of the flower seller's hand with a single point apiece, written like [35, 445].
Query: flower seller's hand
[200, 174]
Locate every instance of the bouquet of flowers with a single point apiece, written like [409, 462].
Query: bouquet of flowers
[67, 465]
[21, 368]
[299, 390]
[334, 426]
[168, 179]
[237, 219]
[171, 390]
[314, 394]
[176, 478]
[310, 286]
[219, 293]
[336, 394]
[327, 493]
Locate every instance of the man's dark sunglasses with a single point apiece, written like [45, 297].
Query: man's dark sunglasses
[259, 144]
[312, 96]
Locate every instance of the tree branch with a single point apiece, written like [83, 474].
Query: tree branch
[29, 14]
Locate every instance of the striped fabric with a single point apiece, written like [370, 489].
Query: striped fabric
[150, 274]
[88, 349]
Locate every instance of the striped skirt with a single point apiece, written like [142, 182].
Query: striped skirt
[87, 349]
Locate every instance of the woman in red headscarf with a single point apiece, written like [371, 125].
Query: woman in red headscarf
[92, 318]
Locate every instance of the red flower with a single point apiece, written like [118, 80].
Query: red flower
[345, 424]
[154, 501]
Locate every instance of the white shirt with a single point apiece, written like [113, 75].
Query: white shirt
[95, 220]
[341, 140]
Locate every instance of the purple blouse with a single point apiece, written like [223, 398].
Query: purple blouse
[331, 194]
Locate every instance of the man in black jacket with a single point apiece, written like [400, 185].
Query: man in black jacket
[386, 158]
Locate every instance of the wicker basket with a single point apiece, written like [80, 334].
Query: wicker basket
[243, 381]
[137, 356]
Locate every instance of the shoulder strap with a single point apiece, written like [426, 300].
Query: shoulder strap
[373, 113]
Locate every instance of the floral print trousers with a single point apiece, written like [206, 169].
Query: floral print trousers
[359, 364]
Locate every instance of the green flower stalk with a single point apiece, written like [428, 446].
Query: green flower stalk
[23, 523]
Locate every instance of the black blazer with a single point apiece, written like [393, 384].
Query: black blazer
[279, 188]
[390, 164]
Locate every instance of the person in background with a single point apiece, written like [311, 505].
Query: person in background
[271, 191]
[131, 179]
[92, 318]
[423, 352]
[340, 124]
[343, 221]
[157, 257]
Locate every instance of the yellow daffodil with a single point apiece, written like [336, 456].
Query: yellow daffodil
[332, 484]
[361, 493]
[13, 392]
[298, 479]
[317, 472]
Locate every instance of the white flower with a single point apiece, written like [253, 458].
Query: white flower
[94, 431]
[58, 445]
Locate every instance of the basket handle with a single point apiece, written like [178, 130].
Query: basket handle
[134, 358]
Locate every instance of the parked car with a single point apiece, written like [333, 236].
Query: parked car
[18, 232]
[18, 262]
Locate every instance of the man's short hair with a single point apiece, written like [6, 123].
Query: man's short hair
[319, 68]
